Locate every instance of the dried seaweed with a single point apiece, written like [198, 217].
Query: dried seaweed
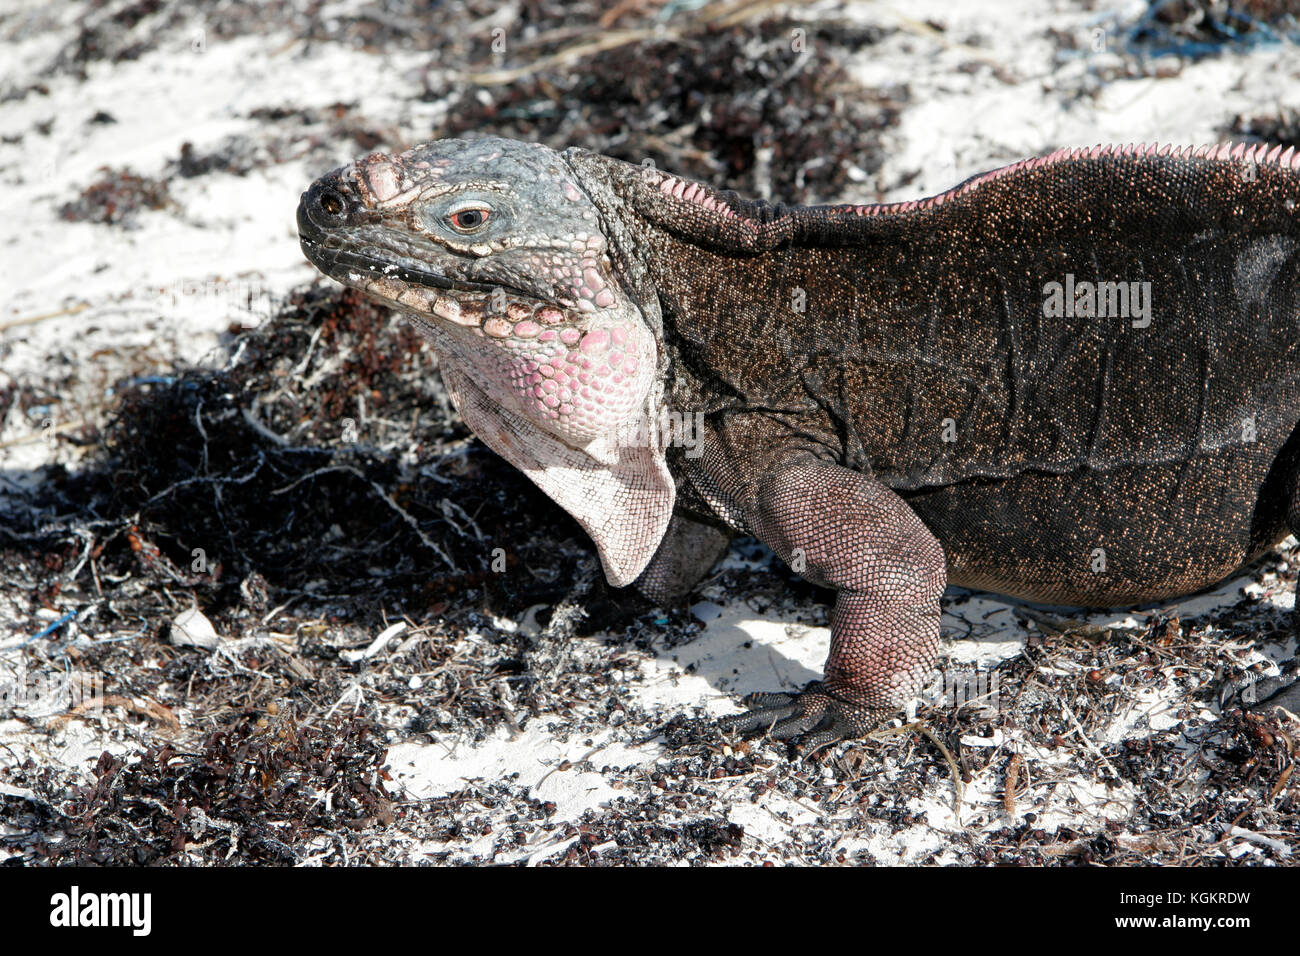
[258, 792]
[760, 107]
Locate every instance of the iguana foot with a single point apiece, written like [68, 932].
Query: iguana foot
[811, 719]
[1253, 693]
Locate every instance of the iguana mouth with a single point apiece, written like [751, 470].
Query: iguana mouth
[496, 310]
[338, 261]
[432, 301]
[343, 239]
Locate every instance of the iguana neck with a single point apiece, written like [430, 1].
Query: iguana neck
[636, 246]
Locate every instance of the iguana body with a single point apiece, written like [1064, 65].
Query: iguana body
[889, 396]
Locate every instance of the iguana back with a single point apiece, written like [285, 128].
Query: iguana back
[937, 346]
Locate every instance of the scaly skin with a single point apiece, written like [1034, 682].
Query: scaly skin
[882, 393]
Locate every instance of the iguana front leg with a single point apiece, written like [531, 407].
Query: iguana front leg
[843, 529]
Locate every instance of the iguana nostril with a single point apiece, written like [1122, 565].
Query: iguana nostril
[331, 203]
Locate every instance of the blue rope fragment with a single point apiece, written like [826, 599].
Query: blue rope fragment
[50, 629]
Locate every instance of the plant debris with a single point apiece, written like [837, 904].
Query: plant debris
[1196, 28]
[116, 198]
[260, 792]
[762, 108]
[1281, 128]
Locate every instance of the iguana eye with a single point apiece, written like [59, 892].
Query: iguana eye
[469, 218]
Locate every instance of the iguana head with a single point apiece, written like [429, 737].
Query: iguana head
[495, 252]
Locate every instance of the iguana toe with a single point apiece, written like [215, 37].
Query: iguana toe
[811, 719]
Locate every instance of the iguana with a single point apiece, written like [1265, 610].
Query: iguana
[1073, 380]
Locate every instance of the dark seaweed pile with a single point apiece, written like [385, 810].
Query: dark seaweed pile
[252, 794]
[324, 465]
[742, 109]
[1281, 128]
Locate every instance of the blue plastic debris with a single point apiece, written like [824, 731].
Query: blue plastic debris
[49, 629]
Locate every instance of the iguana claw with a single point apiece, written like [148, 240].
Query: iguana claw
[1253, 693]
[811, 719]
